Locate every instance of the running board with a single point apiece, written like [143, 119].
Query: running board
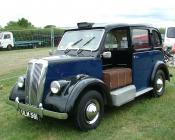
[123, 95]
[143, 91]
[126, 94]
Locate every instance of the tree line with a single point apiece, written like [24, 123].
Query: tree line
[23, 29]
[22, 23]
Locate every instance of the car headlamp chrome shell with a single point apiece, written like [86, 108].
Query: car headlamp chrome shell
[20, 82]
[55, 87]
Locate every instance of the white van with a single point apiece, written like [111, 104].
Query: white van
[169, 40]
[6, 40]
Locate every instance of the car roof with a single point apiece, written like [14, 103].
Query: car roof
[108, 26]
[6, 32]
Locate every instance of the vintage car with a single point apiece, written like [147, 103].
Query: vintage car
[95, 65]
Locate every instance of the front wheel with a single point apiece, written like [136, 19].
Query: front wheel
[159, 84]
[89, 110]
[9, 47]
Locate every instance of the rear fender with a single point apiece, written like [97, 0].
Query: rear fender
[160, 65]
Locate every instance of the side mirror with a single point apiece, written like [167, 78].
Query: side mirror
[107, 54]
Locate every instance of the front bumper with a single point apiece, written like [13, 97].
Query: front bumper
[40, 111]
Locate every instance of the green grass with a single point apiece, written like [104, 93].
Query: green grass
[144, 118]
[15, 59]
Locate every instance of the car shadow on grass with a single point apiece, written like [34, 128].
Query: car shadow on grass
[126, 107]
[67, 126]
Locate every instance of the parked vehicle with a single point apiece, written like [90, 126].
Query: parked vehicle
[169, 41]
[7, 41]
[94, 66]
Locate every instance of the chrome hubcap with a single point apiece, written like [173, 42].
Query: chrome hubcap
[159, 84]
[92, 111]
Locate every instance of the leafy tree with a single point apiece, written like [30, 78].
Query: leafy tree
[50, 26]
[162, 30]
[24, 23]
[12, 25]
[20, 24]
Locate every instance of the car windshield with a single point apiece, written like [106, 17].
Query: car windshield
[171, 32]
[1, 35]
[81, 39]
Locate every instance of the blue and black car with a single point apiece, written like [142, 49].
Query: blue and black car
[95, 65]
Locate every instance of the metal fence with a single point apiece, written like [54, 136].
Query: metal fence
[24, 38]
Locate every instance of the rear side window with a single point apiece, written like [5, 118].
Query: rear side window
[140, 39]
[156, 39]
[171, 32]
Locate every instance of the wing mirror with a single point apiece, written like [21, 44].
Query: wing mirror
[107, 54]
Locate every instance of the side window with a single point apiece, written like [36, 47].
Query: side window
[117, 39]
[140, 39]
[110, 41]
[6, 36]
[156, 38]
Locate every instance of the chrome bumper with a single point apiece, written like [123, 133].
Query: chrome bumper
[40, 111]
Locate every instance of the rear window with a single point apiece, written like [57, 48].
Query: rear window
[171, 32]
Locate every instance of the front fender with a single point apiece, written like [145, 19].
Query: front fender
[87, 84]
[16, 92]
[160, 65]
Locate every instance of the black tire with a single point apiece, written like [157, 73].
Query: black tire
[159, 84]
[9, 47]
[84, 114]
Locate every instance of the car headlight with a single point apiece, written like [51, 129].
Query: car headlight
[20, 82]
[55, 87]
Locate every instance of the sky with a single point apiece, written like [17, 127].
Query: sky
[66, 13]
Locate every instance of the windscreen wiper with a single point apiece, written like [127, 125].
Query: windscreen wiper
[80, 50]
[89, 41]
[75, 43]
[67, 50]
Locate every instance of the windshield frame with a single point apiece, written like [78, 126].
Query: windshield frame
[86, 49]
[170, 29]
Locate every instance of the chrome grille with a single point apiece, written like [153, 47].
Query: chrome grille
[35, 79]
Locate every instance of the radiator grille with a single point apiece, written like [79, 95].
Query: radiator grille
[35, 77]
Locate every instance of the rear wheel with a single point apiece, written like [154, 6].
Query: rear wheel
[89, 110]
[159, 84]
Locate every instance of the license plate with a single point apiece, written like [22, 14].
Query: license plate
[29, 114]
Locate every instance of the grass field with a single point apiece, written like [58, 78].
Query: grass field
[145, 118]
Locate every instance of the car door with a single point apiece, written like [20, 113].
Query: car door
[142, 63]
[116, 42]
[7, 40]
